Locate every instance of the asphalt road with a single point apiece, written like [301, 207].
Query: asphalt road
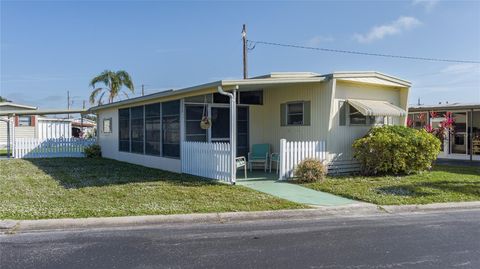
[433, 240]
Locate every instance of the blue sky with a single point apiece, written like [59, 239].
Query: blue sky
[48, 48]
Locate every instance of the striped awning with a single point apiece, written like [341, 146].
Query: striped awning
[376, 108]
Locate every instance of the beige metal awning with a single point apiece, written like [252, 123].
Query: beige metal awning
[376, 108]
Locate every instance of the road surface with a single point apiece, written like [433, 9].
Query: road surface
[449, 239]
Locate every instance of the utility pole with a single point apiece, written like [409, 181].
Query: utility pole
[143, 90]
[245, 51]
[68, 103]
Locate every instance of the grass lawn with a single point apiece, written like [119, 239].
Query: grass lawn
[79, 187]
[443, 184]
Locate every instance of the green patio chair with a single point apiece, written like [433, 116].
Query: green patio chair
[275, 157]
[259, 154]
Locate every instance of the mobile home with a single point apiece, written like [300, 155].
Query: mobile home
[336, 109]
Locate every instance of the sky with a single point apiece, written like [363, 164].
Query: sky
[51, 47]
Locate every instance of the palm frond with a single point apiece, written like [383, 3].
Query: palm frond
[126, 80]
[104, 77]
[100, 102]
[94, 94]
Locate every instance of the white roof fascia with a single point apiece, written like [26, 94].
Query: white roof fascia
[224, 83]
[366, 74]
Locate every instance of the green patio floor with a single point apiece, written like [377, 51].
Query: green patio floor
[268, 184]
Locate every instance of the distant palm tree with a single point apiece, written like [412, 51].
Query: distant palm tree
[113, 81]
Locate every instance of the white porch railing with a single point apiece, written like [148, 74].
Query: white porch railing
[50, 148]
[293, 152]
[209, 160]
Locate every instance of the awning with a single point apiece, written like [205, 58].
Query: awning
[376, 108]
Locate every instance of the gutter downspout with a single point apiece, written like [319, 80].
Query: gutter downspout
[233, 131]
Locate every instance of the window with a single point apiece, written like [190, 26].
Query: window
[295, 113]
[356, 118]
[251, 97]
[136, 129]
[171, 129]
[124, 129]
[107, 125]
[152, 129]
[193, 131]
[24, 121]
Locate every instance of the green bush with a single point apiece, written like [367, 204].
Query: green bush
[93, 151]
[310, 170]
[396, 150]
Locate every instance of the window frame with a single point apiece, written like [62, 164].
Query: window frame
[287, 106]
[24, 117]
[105, 120]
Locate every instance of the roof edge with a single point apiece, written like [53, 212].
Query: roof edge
[360, 74]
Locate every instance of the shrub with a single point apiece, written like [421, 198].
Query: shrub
[396, 150]
[93, 151]
[310, 170]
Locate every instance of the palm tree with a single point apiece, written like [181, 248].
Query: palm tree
[114, 82]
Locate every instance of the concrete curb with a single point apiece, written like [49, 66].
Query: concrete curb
[14, 226]
[431, 207]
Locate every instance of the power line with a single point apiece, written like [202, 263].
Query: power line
[255, 42]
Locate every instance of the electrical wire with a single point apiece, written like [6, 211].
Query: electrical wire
[253, 43]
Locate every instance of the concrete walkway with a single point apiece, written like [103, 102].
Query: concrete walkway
[295, 193]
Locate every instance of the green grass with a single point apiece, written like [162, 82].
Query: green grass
[3, 152]
[79, 187]
[443, 184]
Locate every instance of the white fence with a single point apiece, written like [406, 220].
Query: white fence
[53, 128]
[293, 152]
[209, 160]
[50, 148]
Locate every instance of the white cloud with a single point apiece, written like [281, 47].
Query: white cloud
[427, 4]
[393, 28]
[318, 40]
[466, 68]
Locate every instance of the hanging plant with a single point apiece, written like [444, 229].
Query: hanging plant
[205, 123]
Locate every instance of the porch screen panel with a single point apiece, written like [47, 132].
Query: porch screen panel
[193, 115]
[137, 129]
[124, 129]
[171, 129]
[242, 131]
[152, 129]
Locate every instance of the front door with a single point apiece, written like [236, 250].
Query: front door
[220, 131]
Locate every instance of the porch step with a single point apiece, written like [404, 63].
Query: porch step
[340, 167]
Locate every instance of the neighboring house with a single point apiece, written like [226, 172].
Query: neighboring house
[30, 126]
[463, 140]
[83, 127]
[336, 108]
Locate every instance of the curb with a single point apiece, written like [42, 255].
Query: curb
[15, 226]
[431, 207]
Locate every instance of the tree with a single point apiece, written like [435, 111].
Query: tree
[4, 99]
[114, 82]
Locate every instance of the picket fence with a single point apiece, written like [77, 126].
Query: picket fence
[209, 160]
[293, 152]
[50, 147]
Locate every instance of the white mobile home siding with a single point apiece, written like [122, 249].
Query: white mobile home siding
[109, 144]
[265, 124]
[340, 138]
